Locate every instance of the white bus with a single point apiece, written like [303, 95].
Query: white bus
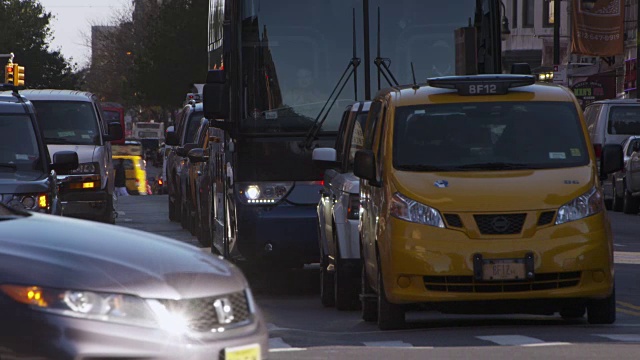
[148, 130]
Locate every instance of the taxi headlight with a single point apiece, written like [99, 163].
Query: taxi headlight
[86, 168]
[264, 193]
[402, 207]
[116, 308]
[587, 204]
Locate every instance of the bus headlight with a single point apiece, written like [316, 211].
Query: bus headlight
[264, 193]
[587, 204]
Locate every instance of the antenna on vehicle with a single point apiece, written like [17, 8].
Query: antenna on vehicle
[415, 83]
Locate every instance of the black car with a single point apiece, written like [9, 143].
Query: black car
[27, 178]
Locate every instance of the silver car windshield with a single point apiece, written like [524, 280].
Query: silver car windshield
[68, 122]
[488, 136]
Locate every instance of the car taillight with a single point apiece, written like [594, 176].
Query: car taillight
[160, 182]
[353, 211]
[598, 150]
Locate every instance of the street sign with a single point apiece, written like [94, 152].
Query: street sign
[560, 75]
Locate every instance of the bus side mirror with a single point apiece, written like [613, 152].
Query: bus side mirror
[215, 96]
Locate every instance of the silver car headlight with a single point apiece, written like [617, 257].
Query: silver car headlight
[85, 304]
[410, 210]
[264, 193]
[86, 168]
[587, 204]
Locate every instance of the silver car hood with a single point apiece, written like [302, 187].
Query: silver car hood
[65, 253]
[86, 153]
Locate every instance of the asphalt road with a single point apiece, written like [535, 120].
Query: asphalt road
[300, 328]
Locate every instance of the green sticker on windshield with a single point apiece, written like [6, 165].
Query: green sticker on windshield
[575, 152]
[66, 133]
[557, 155]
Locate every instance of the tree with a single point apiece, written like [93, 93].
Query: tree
[25, 29]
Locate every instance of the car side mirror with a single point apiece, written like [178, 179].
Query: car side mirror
[215, 96]
[611, 160]
[325, 158]
[183, 151]
[364, 166]
[114, 132]
[65, 161]
[197, 155]
[171, 138]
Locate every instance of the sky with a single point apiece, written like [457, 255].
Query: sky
[71, 25]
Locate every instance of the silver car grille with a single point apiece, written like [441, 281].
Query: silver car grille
[204, 314]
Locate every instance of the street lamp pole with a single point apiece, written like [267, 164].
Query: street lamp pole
[556, 32]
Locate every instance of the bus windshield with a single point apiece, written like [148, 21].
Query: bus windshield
[294, 53]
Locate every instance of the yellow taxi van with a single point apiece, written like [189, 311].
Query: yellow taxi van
[136, 173]
[481, 194]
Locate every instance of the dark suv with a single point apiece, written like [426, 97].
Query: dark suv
[27, 178]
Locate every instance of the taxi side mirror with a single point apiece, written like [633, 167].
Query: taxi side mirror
[197, 155]
[364, 166]
[611, 160]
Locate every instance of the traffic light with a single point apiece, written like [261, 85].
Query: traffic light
[18, 75]
[8, 74]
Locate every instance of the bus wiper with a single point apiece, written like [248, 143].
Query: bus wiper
[383, 63]
[351, 69]
[496, 166]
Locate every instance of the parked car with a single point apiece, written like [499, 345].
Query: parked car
[136, 173]
[626, 183]
[187, 124]
[72, 120]
[65, 295]
[338, 213]
[611, 122]
[27, 177]
[192, 171]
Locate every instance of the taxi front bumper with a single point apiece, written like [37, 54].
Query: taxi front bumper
[424, 264]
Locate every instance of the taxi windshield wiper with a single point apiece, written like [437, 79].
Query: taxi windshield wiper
[496, 166]
[423, 168]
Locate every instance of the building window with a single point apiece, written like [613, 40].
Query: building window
[528, 11]
[514, 14]
[548, 13]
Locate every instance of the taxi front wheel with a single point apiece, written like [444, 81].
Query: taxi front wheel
[602, 311]
[390, 316]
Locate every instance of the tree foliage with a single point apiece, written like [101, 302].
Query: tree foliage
[25, 29]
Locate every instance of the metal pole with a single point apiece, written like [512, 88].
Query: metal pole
[367, 52]
[556, 32]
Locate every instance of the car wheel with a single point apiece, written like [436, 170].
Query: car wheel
[109, 216]
[390, 316]
[345, 283]
[602, 311]
[368, 300]
[617, 201]
[327, 296]
[573, 312]
[629, 203]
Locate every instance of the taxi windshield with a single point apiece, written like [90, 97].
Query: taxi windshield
[488, 136]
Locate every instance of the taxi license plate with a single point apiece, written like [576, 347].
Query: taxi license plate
[248, 352]
[503, 269]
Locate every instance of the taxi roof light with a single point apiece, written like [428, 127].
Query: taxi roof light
[482, 84]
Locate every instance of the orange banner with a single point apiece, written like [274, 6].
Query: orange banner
[597, 29]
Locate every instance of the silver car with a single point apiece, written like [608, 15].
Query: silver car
[74, 289]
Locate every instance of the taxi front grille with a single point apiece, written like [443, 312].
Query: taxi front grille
[201, 313]
[500, 224]
[467, 284]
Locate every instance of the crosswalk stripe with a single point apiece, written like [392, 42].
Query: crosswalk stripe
[621, 337]
[625, 257]
[506, 340]
[387, 344]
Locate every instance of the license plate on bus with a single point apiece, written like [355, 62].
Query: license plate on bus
[503, 269]
[248, 352]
